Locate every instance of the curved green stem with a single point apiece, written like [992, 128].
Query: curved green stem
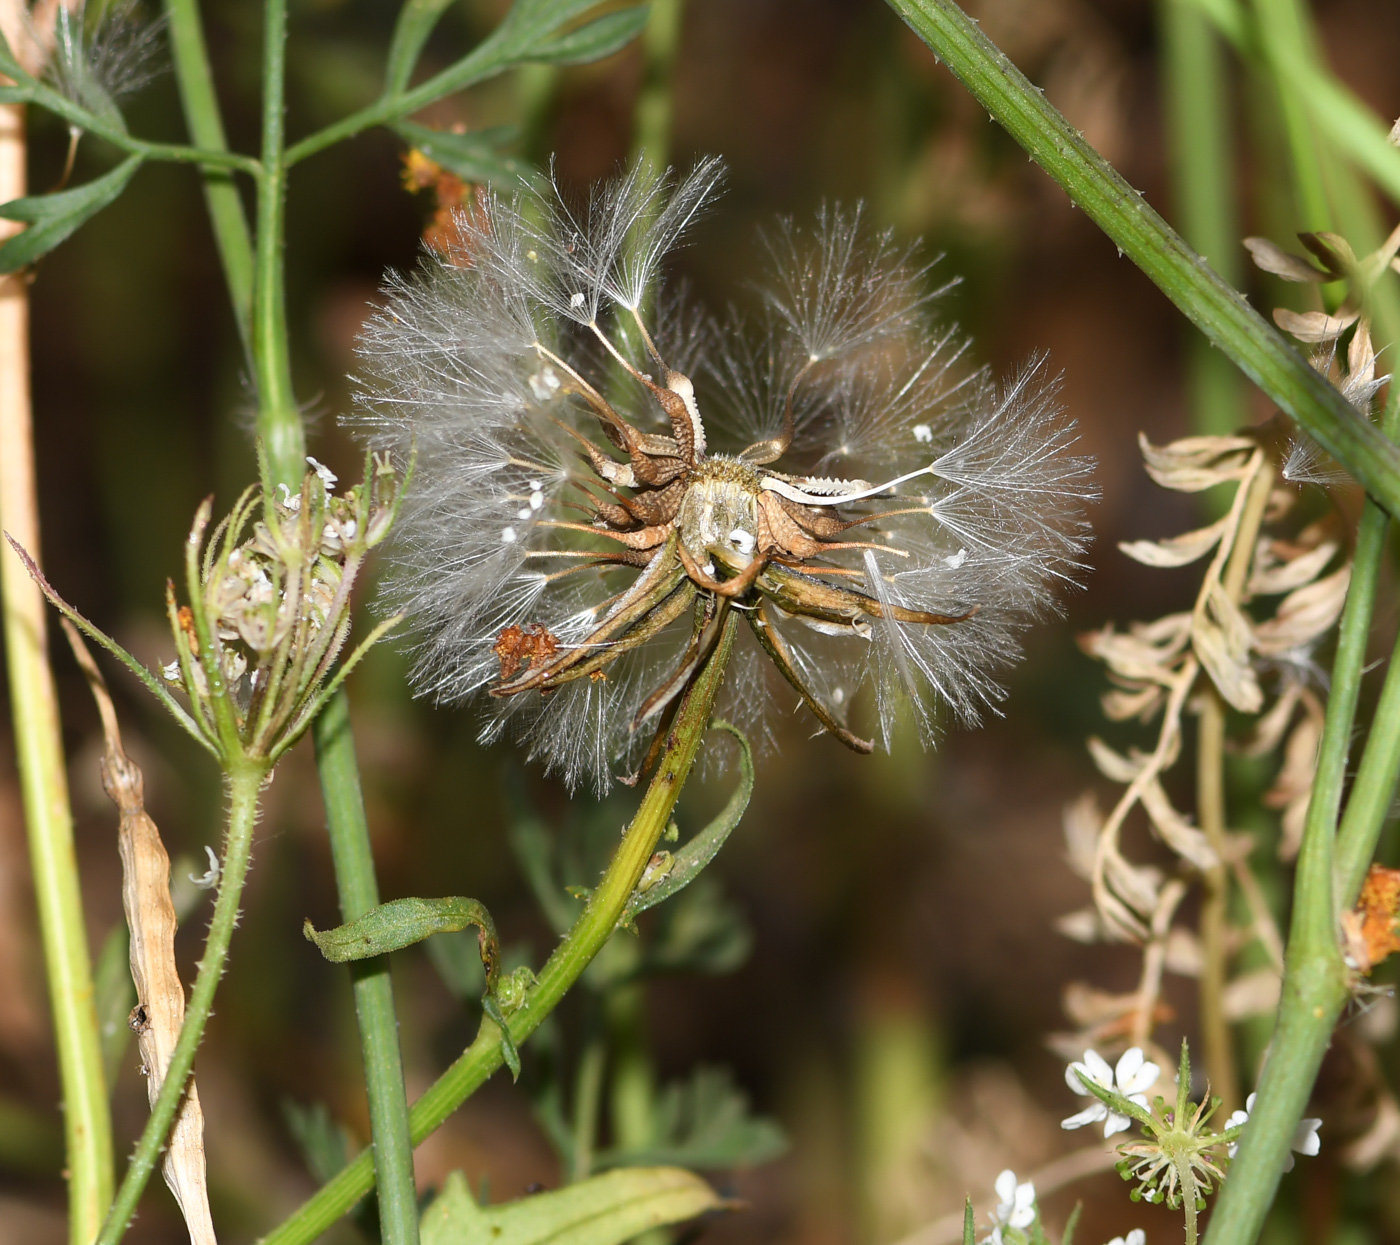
[374, 988]
[590, 932]
[1219, 311]
[190, 57]
[243, 785]
[279, 422]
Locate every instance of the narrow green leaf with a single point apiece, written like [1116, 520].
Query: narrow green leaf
[323, 1143]
[11, 68]
[416, 21]
[473, 157]
[969, 1223]
[52, 218]
[509, 1051]
[605, 1210]
[153, 685]
[600, 38]
[686, 864]
[1071, 1224]
[402, 922]
[115, 996]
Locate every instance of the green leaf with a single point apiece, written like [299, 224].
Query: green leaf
[596, 40]
[606, 1210]
[1071, 1224]
[115, 996]
[323, 1143]
[473, 157]
[686, 864]
[11, 68]
[402, 922]
[51, 218]
[969, 1224]
[509, 1052]
[416, 21]
[703, 1122]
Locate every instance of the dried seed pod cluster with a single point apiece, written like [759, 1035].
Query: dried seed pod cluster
[604, 472]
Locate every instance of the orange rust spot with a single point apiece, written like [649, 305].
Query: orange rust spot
[599, 676]
[521, 646]
[185, 617]
[1373, 933]
[451, 195]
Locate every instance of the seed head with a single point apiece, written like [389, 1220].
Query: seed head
[605, 470]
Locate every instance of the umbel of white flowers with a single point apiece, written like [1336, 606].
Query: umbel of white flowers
[606, 471]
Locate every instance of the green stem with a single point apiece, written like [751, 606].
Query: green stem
[279, 422]
[374, 990]
[244, 784]
[1219, 311]
[1315, 982]
[1199, 136]
[588, 1094]
[53, 864]
[1215, 908]
[590, 932]
[190, 56]
[653, 111]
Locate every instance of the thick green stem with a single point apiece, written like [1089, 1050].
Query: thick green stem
[1199, 137]
[651, 126]
[279, 422]
[590, 932]
[244, 785]
[39, 753]
[1219, 311]
[1315, 982]
[190, 57]
[374, 990]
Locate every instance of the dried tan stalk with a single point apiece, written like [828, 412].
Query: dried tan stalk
[160, 994]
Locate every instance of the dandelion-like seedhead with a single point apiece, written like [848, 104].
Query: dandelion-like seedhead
[605, 470]
[103, 53]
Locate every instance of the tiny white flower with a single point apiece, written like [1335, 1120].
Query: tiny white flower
[923, 434]
[1305, 1138]
[1133, 1075]
[328, 477]
[1136, 1237]
[290, 500]
[171, 673]
[1015, 1206]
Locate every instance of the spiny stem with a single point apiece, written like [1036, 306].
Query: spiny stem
[244, 785]
[590, 932]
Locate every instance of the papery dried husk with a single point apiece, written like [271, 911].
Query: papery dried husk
[160, 994]
[1196, 463]
[1304, 615]
[1176, 550]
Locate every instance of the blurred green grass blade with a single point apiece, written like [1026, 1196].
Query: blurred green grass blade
[52, 218]
[115, 997]
[1140, 233]
[416, 21]
[603, 1210]
[1199, 134]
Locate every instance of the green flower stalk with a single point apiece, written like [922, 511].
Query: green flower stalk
[256, 648]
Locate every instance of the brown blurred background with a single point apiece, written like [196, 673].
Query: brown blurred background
[904, 974]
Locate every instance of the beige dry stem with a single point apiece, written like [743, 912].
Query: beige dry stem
[150, 916]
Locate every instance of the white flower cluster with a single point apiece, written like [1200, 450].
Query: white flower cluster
[1305, 1139]
[1015, 1207]
[1133, 1076]
[916, 518]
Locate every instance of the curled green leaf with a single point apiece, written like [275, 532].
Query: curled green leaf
[676, 870]
[402, 922]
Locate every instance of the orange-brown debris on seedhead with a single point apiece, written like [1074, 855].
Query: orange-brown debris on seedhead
[1373, 925]
[451, 193]
[520, 646]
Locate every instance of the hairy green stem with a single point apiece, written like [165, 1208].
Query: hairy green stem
[589, 934]
[244, 784]
[1203, 162]
[190, 57]
[1211, 304]
[374, 990]
[279, 422]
